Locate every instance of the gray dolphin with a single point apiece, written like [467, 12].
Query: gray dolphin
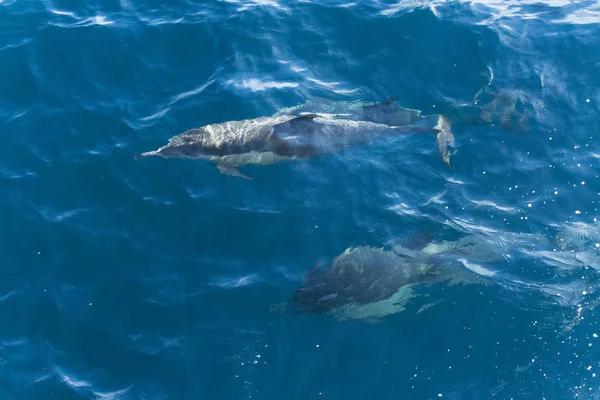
[359, 277]
[369, 283]
[296, 135]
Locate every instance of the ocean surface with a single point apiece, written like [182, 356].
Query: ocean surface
[163, 279]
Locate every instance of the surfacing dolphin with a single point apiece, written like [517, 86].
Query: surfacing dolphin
[293, 134]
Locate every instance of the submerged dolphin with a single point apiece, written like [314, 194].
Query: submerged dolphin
[369, 283]
[360, 278]
[293, 135]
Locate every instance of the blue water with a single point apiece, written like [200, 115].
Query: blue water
[160, 279]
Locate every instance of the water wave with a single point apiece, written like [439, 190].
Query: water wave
[165, 279]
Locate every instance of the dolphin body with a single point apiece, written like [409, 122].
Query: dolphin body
[296, 134]
[368, 283]
[361, 283]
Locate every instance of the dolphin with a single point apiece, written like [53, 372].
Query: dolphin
[368, 283]
[511, 109]
[299, 135]
[358, 278]
[388, 112]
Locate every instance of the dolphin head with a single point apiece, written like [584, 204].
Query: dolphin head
[185, 145]
[316, 293]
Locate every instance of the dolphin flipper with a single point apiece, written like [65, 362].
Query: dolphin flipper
[231, 171]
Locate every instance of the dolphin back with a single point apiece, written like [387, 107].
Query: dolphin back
[387, 112]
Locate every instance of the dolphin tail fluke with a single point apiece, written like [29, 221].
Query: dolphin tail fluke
[445, 138]
[231, 171]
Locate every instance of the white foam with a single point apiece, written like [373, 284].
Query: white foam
[471, 227]
[72, 381]
[239, 281]
[256, 85]
[516, 9]
[476, 268]
[100, 20]
[192, 92]
[260, 3]
[403, 209]
[60, 12]
[298, 69]
[156, 115]
[333, 86]
[328, 85]
[436, 199]
[488, 203]
[96, 20]
[115, 395]
[581, 17]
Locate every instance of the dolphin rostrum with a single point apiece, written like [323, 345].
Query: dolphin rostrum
[296, 134]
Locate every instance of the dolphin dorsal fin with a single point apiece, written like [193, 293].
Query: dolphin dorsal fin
[298, 131]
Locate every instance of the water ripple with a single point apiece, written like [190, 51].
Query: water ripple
[168, 269]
